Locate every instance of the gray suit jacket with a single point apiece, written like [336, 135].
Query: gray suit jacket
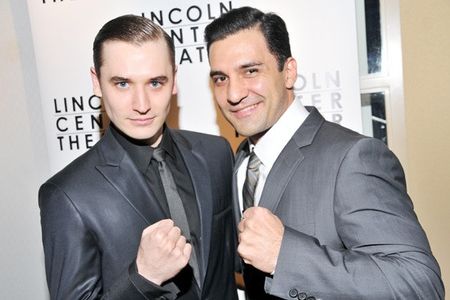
[94, 211]
[350, 228]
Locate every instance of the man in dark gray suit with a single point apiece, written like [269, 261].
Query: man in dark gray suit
[328, 216]
[146, 213]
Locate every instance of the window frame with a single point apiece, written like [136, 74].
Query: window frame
[390, 79]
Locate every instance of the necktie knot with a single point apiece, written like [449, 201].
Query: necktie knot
[159, 154]
[253, 162]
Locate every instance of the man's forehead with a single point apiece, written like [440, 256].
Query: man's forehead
[227, 54]
[131, 43]
[127, 50]
[242, 34]
[135, 62]
[244, 42]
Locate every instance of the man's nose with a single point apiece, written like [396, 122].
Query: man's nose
[237, 90]
[141, 100]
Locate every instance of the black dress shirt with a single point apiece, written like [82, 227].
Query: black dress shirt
[141, 154]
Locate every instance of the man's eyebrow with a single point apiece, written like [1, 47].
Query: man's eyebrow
[251, 64]
[161, 78]
[243, 66]
[118, 79]
[216, 73]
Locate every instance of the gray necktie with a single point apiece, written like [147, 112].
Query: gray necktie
[248, 191]
[176, 208]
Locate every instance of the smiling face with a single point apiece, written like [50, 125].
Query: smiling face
[247, 85]
[136, 83]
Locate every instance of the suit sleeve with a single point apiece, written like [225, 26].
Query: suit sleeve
[73, 259]
[385, 253]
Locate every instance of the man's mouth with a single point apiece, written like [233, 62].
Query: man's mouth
[244, 111]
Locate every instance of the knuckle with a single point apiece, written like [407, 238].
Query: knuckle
[187, 249]
[240, 249]
[159, 236]
[176, 230]
[147, 231]
[242, 236]
[241, 225]
[182, 240]
[250, 224]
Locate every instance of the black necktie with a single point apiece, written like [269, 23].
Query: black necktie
[176, 208]
[248, 191]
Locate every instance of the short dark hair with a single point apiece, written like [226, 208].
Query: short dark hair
[271, 25]
[132, 29]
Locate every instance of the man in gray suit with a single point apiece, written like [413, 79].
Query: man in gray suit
[329, 215]
[146, 213]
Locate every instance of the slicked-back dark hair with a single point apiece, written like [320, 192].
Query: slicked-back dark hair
[131, 29]
[271, 25]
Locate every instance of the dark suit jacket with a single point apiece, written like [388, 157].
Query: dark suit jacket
[350, 228]
[94, 211]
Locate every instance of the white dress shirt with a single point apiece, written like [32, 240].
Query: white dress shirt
[270, 145]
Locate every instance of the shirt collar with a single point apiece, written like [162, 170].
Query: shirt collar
[139, 151]
[167, 143]
[270, 145]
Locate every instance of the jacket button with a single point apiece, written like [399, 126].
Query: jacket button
[302, 296]
[293, 293]
[311, 298]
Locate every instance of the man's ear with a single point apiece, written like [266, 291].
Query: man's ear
[96, 83]
[290, 72]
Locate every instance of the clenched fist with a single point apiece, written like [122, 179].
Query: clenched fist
[163, 252]
[260, 236]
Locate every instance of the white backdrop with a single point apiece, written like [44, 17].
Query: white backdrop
[323, 39]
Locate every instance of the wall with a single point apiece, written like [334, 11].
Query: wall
[21, 256]
[425, 29]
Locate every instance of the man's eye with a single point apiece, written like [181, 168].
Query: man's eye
[155, 83]
[252, 71]
[219, 79]
[122, 84]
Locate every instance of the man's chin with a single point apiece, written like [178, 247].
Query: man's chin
[253, 133]
[244, 132]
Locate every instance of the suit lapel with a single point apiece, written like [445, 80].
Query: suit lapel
[279, 176]
[198, 171]
[289, 160]
[123, 175]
